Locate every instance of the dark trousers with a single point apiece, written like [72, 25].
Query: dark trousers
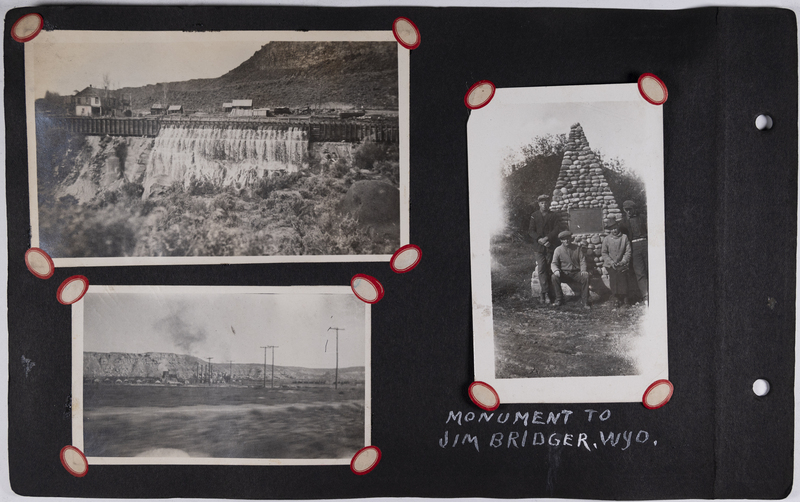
[640, 265]
[543, 260]
[618, 280]
[573, 279]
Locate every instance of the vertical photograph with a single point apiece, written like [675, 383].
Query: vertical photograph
[170, 148]
[233, 375]
[567, 240]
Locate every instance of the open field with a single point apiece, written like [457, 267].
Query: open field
[223, 422]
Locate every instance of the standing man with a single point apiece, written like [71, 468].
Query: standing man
[635, 225]
[569, 265]
[543, 228]
[616, 257]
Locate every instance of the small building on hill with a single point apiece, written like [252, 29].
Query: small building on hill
[157, 109]
[94, 102]
[227, 107]
[175, 110]
[242, 104]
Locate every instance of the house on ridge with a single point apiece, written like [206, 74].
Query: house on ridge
[242, 104]
[93, 101]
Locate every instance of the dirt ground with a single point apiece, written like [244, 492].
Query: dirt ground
[535, 340]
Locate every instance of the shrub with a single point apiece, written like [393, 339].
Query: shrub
[340, 168]
[201, 187]
[132, 190]
[275, 181]
[368, 153]
[390, 170]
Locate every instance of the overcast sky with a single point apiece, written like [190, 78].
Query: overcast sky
[68, 67]
[613, 127]
[615, 118]
[228, 326]
[68, 61]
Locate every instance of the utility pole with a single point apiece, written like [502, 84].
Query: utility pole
[230, 372]
[336, 382]
[209, 369]
[272, 383]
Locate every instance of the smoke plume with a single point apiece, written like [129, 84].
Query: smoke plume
[184, 335]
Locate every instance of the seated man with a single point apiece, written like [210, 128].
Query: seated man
[569, 265]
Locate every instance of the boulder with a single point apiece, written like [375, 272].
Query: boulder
[376, 205]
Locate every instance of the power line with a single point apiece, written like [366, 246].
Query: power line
[273, 347]
[336, 381]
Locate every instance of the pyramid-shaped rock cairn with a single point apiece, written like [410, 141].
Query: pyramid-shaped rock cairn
[580, 185]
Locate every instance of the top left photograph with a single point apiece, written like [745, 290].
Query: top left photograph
[160, 148]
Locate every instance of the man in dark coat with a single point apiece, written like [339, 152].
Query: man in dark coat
[569, 265]
[544, 227]
[634, 224]
[616, 252]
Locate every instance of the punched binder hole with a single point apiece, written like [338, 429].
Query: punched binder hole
[761, 387]
[763, 122]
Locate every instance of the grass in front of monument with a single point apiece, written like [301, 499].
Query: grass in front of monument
[535, 340]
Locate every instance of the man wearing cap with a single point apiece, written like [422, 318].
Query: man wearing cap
[634, 224]
[616, 252]
[569, 265]
[543, 227]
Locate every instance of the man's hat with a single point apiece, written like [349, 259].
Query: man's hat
[628, 204]
[610, 223]
[543, 198]
[566, 234]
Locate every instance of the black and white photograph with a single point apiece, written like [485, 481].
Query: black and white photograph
[221, 375]
[201, 148]
[567, 236]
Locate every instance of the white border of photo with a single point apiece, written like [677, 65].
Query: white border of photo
[47, 38]
[78, 365]
[483, 131]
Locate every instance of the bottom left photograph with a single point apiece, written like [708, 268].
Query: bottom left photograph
[220, 375]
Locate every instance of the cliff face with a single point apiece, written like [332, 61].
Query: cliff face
[293, 74]
[316, 59]
[148, 365]
[121, 365]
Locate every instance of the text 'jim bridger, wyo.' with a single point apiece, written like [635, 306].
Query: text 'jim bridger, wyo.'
[531, 430]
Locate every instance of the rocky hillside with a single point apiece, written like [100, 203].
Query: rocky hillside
[291, 74]
[152, 365]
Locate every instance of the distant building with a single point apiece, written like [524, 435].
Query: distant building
[157, 109]
[93, 102]
[226, 107]
[242, 104]
[175, 110]
[261, 112]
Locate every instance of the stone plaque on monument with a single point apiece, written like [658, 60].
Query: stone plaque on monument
[586, 221]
